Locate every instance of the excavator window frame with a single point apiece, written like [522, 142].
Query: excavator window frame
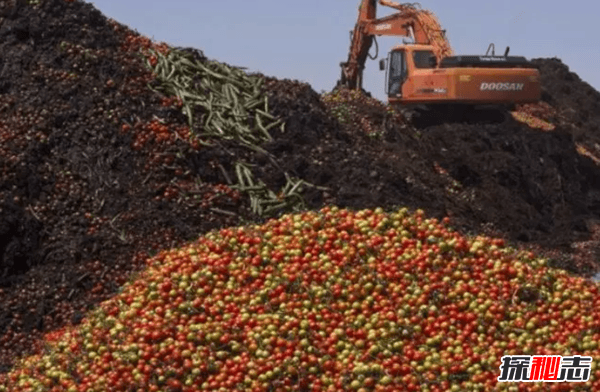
[403, 74]
[384, 65]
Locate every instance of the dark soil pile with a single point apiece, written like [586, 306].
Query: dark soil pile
[81, 204]
[508, 179]
[87, 190]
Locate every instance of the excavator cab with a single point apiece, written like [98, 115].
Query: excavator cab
[401, 63]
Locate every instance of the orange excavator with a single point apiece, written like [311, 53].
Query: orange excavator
[424, 71]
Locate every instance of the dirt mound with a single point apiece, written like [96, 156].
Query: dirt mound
[97, 171]
[81, 203]
[529, 184]
[575, 99]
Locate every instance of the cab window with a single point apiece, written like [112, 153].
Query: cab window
[397, 72]
[422, 59]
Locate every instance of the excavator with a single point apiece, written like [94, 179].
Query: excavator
[423, 75]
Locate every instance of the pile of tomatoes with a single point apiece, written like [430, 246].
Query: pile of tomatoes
[334, 300]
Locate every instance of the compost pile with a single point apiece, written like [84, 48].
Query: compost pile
[98, 171]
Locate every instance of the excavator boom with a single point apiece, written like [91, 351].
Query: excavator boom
[410, 21]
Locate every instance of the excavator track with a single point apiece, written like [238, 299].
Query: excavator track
[422, 116]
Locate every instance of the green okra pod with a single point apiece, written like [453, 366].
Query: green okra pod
[265, 114]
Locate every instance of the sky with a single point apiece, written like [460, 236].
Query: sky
[307, 40]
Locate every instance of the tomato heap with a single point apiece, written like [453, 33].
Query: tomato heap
[334, 300]
[356, 109]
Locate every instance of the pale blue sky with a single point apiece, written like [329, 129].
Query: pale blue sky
[306, 40]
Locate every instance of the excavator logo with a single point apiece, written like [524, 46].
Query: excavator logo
[502, 86]
[385, 26]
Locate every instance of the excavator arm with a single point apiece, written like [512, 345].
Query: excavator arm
[409, 21]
